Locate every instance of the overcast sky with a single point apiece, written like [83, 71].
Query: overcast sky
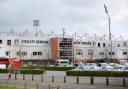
[81, 16]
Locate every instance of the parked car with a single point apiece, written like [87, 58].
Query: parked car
[120, 68]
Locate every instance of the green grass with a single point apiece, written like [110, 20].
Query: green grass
[8, 87]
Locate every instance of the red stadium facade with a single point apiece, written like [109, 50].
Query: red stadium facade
[13, 62]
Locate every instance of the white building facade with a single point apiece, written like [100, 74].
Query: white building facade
[30, 48]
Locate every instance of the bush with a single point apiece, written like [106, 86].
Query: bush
[33, 67]
[32, 71]
[59, 68]
[97, 73]
[3, 70]
[25, 71]
[49, 68]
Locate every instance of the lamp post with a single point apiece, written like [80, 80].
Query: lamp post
[36, 24]
[110, 39]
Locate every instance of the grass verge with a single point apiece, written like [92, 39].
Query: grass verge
[9, 87]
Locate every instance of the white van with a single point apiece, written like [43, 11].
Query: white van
[62, 62]
[2, 66]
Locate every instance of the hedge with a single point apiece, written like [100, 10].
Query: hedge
[34, 67]
[32, 71]
[3, 70]
[59, 68]
[49, 68]
[97, 73]
[25, 71]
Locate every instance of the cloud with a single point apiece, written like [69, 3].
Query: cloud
[81, 16]
[81, 3]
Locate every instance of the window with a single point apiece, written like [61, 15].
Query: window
[125, 43]
[94, 43]
[39, 53]
[104, 45]
[79, 53]
[90, 53]
[118, 45]
[0, 41]
[86, 43]
[124, 53]
[98, 44]
[113, 53]
[8, 42]
[18, 53]
[34, 53]
[7, 53]
[24, 53]
[77, 42]
[16, 41]
[101, 53]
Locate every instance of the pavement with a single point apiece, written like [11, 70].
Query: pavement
[58, 80]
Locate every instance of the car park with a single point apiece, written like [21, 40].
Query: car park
[102, 66]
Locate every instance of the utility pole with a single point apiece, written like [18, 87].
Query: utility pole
[48, 56]
[63, 29]
[9, 52]
[110, 39]
[20, 50]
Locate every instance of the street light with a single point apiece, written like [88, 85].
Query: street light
[109, 20]
[36, 24]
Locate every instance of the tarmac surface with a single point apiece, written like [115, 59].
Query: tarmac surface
[58, 80]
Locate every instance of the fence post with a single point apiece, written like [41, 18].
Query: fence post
[42, 79]
[15, 76]
[77, 79]
[37, 86]
[52, 78]
[64, 79]
[58, 87]
[91, 80]
[7, 82]
[25, 85]
[32, 77]
[124, 82]
[23, 76]
[107, 81]
[49, 86]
